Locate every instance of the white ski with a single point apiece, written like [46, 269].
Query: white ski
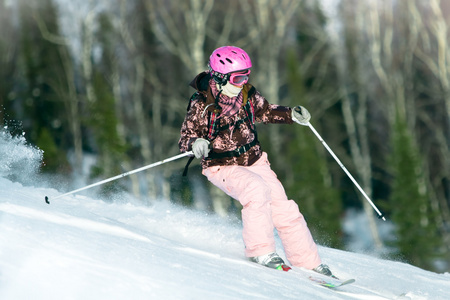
[331, 283]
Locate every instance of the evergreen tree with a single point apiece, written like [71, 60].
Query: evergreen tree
[308, 177]
[43, 111]
[103, 123]
[102, 120]
[310, 180]
[7, 61]
[416, 233]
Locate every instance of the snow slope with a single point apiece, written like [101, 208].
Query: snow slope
[83, 248]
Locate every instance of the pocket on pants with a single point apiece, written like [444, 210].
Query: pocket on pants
[263, 160]
[217, 175]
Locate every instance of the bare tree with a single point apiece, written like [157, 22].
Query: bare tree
[182, 28]
[434, 53]
[395, 42]
[185, 40]
[269, 23]
[351, 67]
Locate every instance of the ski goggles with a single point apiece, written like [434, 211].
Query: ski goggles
[239, 78]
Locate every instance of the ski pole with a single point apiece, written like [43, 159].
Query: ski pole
[124, 174]
[380, 215]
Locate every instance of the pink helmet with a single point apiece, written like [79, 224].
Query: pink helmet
[229, 59]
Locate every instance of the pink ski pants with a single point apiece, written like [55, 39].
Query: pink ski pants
[265, 206]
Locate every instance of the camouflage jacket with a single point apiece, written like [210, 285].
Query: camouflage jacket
[234, 132]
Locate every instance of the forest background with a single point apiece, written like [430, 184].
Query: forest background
[105, 84]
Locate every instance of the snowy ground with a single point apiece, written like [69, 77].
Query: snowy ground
[83, 248]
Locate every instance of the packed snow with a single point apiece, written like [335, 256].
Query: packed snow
[80, 247]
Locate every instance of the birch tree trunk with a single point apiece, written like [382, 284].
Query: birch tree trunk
[121, 129]
[134, 43]
[73, 105]
[182, 29]
[269, 23]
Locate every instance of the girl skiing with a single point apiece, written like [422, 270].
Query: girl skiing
[219, 128]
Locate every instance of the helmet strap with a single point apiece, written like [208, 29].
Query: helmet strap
[220, 78]
[220, 81]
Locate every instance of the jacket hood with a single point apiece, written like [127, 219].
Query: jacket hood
[201, 82]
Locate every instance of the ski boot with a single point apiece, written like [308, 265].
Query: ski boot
[271, 260]
[324, 270]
